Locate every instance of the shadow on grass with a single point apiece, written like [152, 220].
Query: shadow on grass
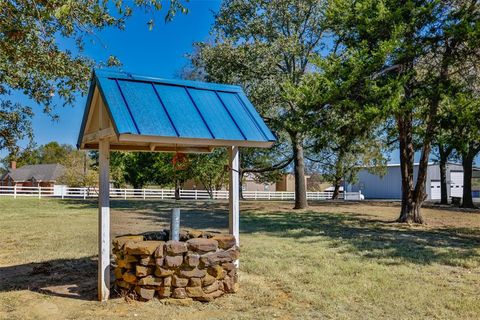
[387, 242]
[194, 214]
[69, 278]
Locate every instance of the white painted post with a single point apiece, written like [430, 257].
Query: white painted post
[104, 222]
[143, 193]
[84, 191]
[39, 192]
[196, 195]
[234, 197]
[15, 191]
[125, 193]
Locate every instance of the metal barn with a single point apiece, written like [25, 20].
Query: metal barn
[389, 186]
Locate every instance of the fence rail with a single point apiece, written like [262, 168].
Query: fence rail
[126, 193]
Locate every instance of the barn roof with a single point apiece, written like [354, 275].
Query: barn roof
[148, 113]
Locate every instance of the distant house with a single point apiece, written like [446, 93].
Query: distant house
[43, 175]
[285, 183]
[249, 183]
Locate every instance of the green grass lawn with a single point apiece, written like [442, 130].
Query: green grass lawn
[333, 261]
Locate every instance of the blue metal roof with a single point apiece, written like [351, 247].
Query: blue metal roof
[140, 105]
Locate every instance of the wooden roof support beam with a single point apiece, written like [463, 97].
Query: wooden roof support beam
[99, 135]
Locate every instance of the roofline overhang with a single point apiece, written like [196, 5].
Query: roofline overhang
[135, 142]
[193, 141]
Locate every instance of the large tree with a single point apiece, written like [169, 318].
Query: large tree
[464, 112]
[33, 61]
[79, 171]
[52, 152]
[260, 45]
[416, 47]
[339, 104]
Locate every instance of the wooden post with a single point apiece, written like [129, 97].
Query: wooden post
[104, 222]
[233, 195]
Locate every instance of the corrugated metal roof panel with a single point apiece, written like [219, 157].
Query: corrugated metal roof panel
[243, 98]
[151, 106]
[182, 111]
[244, 120]
[146, 108]
[215, 115]
[116, 105]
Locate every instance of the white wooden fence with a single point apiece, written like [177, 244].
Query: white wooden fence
[126, 193]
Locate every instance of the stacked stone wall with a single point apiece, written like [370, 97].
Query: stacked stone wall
[201, 267]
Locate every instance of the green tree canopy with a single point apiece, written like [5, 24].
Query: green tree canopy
[33, 61]
[260, 45]
[413, 50]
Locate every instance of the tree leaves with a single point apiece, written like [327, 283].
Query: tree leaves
[32, 60]
[15, 125]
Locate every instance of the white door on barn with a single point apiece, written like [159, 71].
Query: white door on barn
[435, 193]
[456, 183]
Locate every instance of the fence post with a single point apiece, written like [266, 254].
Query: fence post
[39, 192]
[143, 193]
[63, 192]
[196, 194]
[161, 194]
[125, 193]
[15, 191]
[84, 191]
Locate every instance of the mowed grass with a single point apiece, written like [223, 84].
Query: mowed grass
[333, 261]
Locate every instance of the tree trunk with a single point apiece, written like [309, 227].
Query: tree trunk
[467, 163]
[412, 199]
[443, 181]
[336, 189]
[240, 184]
[299, 170]
[177, 189]
[444, 155]
[338, 175]
[410, 210]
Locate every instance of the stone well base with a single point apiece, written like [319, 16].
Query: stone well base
[199, 267]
